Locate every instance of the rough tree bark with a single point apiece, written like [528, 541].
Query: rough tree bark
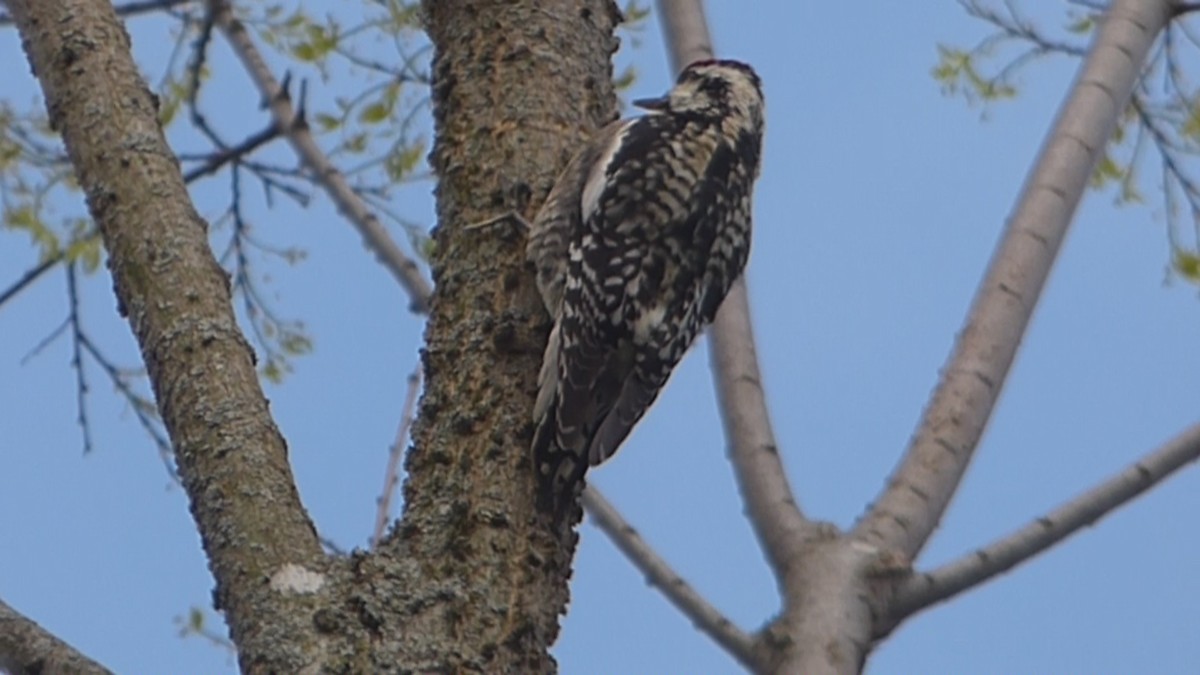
[516, 86]
[473, 579]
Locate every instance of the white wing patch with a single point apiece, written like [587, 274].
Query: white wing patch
[589, 199]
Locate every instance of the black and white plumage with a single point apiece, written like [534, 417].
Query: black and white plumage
[635, 248]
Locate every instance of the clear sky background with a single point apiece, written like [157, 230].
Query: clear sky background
[879, 204]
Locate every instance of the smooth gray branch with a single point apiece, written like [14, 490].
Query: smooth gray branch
[27, 648]
[349, 204]
[659, 574]
[917, 495]
[924, 590]
[777, 520]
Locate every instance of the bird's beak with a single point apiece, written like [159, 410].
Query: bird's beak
[656, 104]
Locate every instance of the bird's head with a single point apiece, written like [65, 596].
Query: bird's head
[716, 89]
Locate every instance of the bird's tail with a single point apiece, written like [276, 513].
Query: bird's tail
[559, 470]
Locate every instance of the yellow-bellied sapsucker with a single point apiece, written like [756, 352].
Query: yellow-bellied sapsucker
[635, 248]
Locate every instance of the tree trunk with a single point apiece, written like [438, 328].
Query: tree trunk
[474, 578]
[516, 88]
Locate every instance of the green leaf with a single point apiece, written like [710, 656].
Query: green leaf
[86, 251]
[294, 343]
[1191, 125]
[305, 51]
[327, 122]
[356, 144]
[25, 218]
[375, 113]
[1082, 26]
[273, 371]
[1186, 264]
[404, 15]
[402, 163]
[626, 79]
[956, 72]
[1106, 170]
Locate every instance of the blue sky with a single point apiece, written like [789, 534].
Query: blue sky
[879, 204]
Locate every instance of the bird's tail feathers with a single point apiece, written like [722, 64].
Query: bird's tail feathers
[637, 394]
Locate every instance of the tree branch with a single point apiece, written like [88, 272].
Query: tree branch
[774, 514]
[127, 9]
[495, 566]
[391, 477]
[921, 591]
[659, 574]
[211, 164]
[27, 649]
[298, 133]
[262, 548]
[917, 495]
[29, 277]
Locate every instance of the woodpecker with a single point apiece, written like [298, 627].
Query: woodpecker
[635, 248]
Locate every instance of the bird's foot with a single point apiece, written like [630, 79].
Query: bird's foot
[510, 217]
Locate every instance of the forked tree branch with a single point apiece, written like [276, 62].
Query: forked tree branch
[918, 493]
[659, 574]
[776, 518]
[333, 181]
[327, 174]
[27, 648]
[924, 590]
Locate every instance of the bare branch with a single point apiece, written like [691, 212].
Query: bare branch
[391, 476]
[924, 590]
[917, 495]
[29, 277]
[277, 99]
[77, 338]
[27, 648]
[142, 407]
[777, 520]
[659, 574]
[224, 155]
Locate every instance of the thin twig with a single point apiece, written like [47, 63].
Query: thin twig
[391, 476]
[77, 340]
[196, 625]
[924, 590]
[277, 99]
[777, 520]
[29, 277]
[659, 574]
[143, 408]
[224, 155]
[46, 341]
